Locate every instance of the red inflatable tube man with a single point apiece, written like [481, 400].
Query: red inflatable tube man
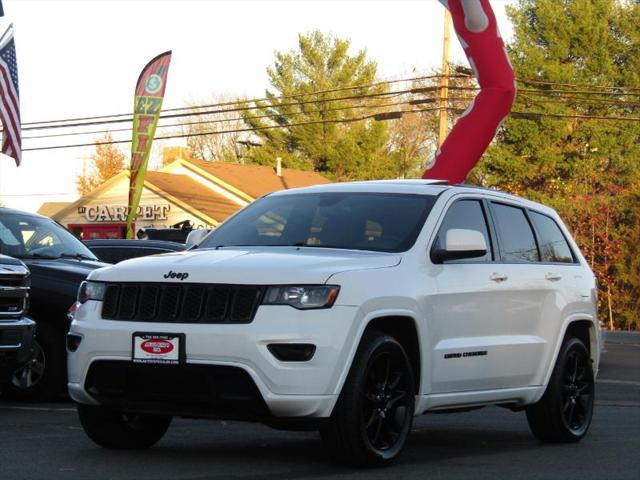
[475, 25]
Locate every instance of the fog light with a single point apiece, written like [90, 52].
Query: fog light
[73, 342]
[292, 352]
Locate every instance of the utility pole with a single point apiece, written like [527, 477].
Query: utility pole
[444, 80]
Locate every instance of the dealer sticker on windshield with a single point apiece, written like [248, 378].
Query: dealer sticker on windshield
[164, 348]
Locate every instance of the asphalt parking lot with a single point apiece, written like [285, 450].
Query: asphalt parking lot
[46, 441]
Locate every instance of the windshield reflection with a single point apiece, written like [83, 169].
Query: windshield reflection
[31, 237]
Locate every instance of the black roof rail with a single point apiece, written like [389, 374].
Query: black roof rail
[438, 182]
[478, 187]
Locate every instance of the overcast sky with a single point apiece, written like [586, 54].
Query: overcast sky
[82, 58]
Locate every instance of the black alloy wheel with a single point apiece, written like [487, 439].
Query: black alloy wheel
[28, 375]
[577, 392]
[372, 419]
[385, 404]
[564, 412]
[43, 377]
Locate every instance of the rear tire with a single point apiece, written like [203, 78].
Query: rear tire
[564, 412]
[374, 414]
[124, 431]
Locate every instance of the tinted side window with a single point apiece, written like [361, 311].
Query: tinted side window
[517, 243]
[553, 245]
[467, 215]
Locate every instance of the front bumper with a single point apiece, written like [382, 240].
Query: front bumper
[16, 339]
[288, 389]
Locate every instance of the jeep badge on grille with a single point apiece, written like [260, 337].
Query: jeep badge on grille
[178, 275]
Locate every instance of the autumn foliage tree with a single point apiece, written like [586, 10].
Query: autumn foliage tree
[107, 161]
[576, 156]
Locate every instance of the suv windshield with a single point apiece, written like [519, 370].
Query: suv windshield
[382, 222]
[26, 236]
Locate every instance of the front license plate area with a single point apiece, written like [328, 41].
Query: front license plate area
[158, 348]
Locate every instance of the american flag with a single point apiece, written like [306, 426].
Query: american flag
[10, 98]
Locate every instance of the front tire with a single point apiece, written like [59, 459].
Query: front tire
[124, 431]
[564, 412]
[374, 414]
[43, 377]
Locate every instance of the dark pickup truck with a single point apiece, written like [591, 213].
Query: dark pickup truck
[16, 331]
[58, 263]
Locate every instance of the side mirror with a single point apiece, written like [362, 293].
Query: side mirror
[460, 244]
[195, 237]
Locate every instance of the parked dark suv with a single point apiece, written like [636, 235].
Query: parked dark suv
[118, 250]
[16, 331]
[58, 262]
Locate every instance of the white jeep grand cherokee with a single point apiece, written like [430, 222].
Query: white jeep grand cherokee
[348, 308]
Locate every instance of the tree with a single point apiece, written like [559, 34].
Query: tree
[587, 169]
[414, 136]
[328, 142]
[218, 146]
[107, 161]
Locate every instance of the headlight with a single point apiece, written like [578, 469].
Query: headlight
[302, 297]
[91, 291]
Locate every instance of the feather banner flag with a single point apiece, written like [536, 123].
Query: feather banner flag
[146, 112]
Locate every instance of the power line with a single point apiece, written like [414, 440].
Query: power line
[579, 85]
[527, 115]
[553, 96]
[215, 132]
[581, 100]
[252, 100]
[522, 97]
[237, 109]
[558, 100]
[374, 116]
[117, 118]
[238, 119]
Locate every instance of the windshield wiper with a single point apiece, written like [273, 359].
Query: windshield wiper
[311, 245]
[77, 256]
[38, 256]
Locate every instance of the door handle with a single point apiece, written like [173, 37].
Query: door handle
[553, 277]
[498, 277]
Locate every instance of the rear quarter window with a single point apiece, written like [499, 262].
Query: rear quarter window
[553, 244]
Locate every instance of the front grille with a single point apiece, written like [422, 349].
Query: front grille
[176, 303]
[11, 306]
[13, 279]
[13, 301]
[213, 391]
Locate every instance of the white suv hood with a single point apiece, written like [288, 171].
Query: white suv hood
[257, 266]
